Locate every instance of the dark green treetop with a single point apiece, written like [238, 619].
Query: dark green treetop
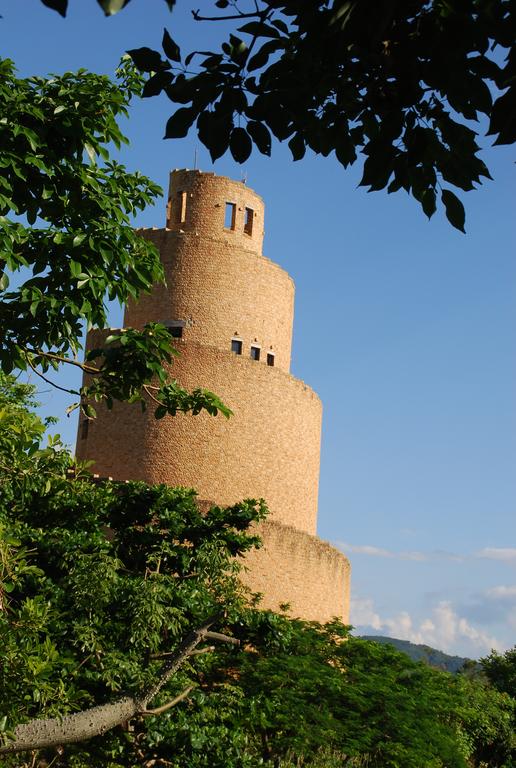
[409, 87]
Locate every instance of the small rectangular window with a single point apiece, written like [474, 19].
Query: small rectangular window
[248, 221]
[255, 353]
[182, 210]
[84, 429]
[270, 358]
[236, 346]
[174, 327]
[230, 215]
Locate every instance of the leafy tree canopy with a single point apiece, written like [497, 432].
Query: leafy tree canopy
[500, 669]
[67, 244]
[409, 87]
[103, 589]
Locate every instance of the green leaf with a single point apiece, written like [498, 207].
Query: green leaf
[259, 29]
[261, 136]
[179, 123]
[240, 144]
[91, 152]
[57, 5]
[237, 49]
[455, 212]
[428, 202]
[160, 411]
[147, 60]
[157, 83]
[170, 47]
[297, 146]
[214, 132]
[75, 268]
[34, 307]
[110, 7]
[78, 239]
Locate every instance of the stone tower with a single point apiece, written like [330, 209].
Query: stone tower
[230, 310]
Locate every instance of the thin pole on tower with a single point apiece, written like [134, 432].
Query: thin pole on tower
[195, 159]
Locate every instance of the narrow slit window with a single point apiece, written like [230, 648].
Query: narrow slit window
[230, 215]
[248, 221]
[85, 429]
[270, 358]
[182, 210]
[236, 346]
[255, 353]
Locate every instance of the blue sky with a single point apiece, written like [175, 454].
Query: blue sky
[404, 327]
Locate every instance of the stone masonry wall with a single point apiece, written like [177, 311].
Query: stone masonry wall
[293, 567]
[220, 288]
[220, 291]
[202, 197]
[269, 449]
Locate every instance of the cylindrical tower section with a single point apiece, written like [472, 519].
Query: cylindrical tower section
[209, 205]
[269, 448]
[220, 290]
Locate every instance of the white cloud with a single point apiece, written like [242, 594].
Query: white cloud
[369, 549]
[444, 629]
[363, 614]
[502, 592]
[415, 555]
[507, 554]
[503, 554]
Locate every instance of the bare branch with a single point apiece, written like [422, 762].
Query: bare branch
[48, 381]
[171, 666]
[196, 652]
[222, 638]
[169, 705]
[61, 359]
[149, 393]
[197, 16]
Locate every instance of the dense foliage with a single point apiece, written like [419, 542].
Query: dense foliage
[500, 669]
[408, 87]
[67, 244]
[99, 582]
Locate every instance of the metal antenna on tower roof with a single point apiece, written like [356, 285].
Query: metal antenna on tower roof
[244, 177]
[195, 159]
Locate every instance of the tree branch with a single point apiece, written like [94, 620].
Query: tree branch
[197, 16]
[61, 359]
[70, 729]
[169, 705]
[48, 381]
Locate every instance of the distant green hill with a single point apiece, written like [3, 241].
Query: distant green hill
[430, 656]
